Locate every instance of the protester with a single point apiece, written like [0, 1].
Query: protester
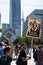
[22, 58]
[35, 54]
[40, 56]
[8, 54]
[16, 50]
[19, 47]
[1, 49]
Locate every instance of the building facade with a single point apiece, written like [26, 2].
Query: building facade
[5, 27]
[0, 26]
[15, 14]
[25, 26]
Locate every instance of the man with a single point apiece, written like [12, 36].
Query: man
[22, 59]
[2, 46]
[1, 49]
[8, 54]
[16, 50]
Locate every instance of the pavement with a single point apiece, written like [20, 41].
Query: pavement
[29, 62]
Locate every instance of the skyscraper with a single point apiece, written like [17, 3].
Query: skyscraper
[0, 26]
[5, 28]
[15, 14]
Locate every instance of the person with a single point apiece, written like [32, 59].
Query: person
[16, 50]
[22, 58]
[8, 54]
[1, 49]
[2, 46]
[28, 51]
[35, 55]
[40, 55]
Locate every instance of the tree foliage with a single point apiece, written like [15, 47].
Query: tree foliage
[27, 40]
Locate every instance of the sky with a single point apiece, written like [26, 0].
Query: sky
[4, 11]
[27, 6]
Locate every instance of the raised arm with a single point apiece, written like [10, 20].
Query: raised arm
[11, 49]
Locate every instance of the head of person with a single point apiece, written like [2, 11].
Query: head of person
[24, 46]
[40, 46]
[16, 46]
[7, 50]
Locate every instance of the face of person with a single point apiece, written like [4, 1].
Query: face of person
[7, 54]
[24, 46]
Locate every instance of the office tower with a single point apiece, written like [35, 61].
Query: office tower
[0, 26]
[5, 28]
[15, 15]
[25, 26]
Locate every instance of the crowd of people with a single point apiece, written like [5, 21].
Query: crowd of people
[22, 53]
[7, 53]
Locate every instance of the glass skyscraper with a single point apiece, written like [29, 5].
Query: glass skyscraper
[15, 14]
